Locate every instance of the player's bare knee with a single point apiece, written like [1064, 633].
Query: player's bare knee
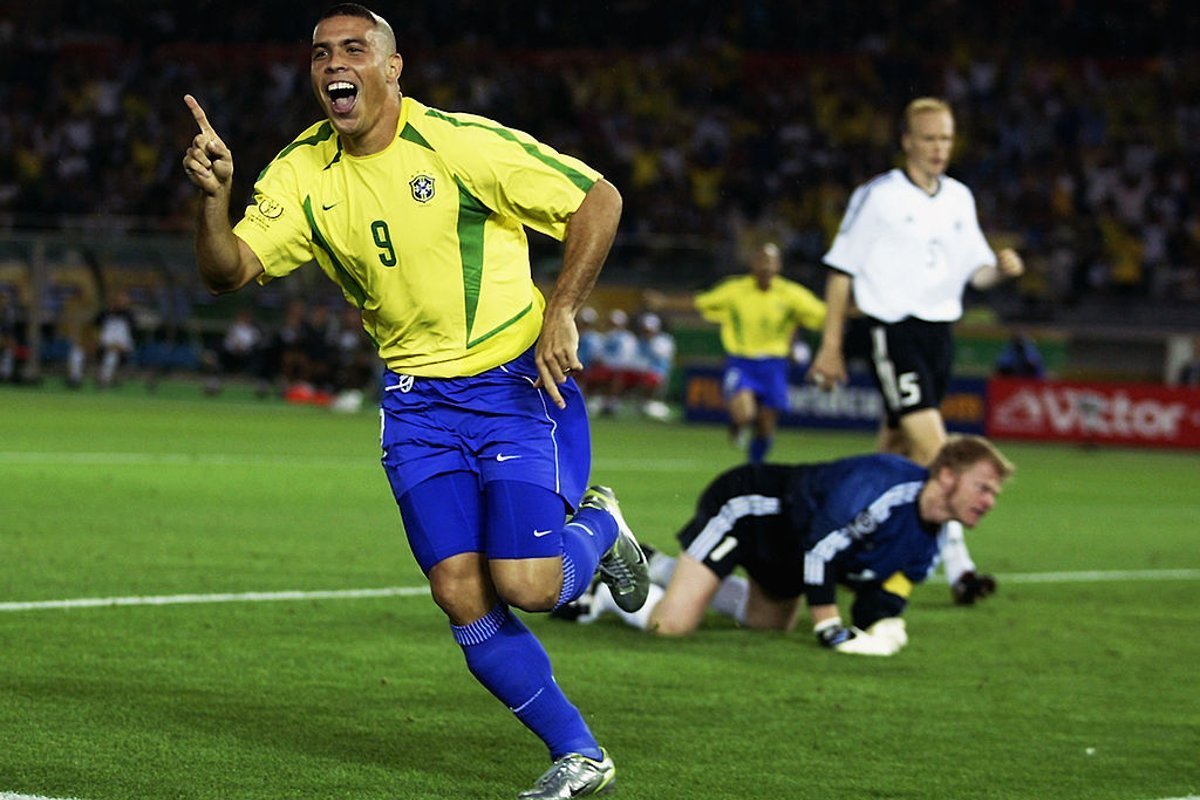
[528, 597]
[463, 609]
[532, 584]
[459, 589]
[667, 625]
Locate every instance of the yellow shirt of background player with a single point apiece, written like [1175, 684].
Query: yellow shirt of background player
[426, 237]
[758, 324]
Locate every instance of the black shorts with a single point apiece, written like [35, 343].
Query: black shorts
[744, 519]
[912, 359]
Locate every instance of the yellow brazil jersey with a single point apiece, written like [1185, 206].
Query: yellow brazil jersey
[426, 237]
[758, 324]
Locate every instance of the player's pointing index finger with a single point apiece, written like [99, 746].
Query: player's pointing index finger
[198, 114]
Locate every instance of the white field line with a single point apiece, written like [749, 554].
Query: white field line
[1099, 576]
[176, 459]
[191, 599]
[420, 591]
[11, 796]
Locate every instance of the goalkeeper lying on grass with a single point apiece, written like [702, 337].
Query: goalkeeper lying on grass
[870, 523]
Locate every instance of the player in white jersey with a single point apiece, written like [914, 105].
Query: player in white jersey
[908, 246]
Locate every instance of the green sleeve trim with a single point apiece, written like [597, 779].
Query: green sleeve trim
[337, 156]
[344, 278]
[411, 134]
[581, 181]
[322, 133]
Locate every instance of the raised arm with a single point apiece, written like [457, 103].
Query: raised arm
[829, 364]
[225, 262]
[590, 235]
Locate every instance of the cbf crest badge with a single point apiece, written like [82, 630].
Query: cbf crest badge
[422, 188]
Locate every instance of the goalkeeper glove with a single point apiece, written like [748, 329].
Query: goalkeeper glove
[971, 587]
[832, 634]
[892, 629]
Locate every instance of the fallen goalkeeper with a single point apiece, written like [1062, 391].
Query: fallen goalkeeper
[868, 522]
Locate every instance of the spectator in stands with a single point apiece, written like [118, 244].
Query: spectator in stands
[355, 364]
[240, 351]
[618, 361]
[12, 349]
[115, 338]
[1020, 358]
[591, 340]
[312, 360]
[289, 358]
[1189, 372]
[656, 351]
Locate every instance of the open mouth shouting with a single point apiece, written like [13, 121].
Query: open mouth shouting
[342, 96]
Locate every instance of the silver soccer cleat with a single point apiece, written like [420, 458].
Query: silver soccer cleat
[574, 775]
[624, 567]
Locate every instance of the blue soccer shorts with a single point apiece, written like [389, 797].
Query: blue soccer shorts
[485, 463]
[766, 377]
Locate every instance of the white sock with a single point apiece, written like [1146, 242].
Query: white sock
[603, 603]
[75, 362]
[955, 556]
[730, 598]
[662, 567]
[108, 367]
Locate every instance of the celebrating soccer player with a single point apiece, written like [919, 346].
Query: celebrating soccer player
[419, 216]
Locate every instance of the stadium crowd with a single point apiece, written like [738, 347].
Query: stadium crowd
[720, 125]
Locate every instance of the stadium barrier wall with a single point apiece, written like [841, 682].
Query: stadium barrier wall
[855, 406]
[1143, 415]
[1126, 414]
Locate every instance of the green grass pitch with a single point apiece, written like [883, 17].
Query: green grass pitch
[1051, 689]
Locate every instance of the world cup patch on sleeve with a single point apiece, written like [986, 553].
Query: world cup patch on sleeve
[267, 207]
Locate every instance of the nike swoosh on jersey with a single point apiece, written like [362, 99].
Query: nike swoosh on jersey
[503, 457]
[539, 534]
[327, 207]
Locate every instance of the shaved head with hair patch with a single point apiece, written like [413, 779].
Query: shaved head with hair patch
[382, 26]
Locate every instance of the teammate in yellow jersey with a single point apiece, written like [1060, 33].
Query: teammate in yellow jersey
[419, 215]
[759, 314]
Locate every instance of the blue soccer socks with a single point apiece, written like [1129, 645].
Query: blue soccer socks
[585, 539]
[511, 663]
[759, 446]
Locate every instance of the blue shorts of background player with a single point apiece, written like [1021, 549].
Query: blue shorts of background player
[485, 470]
[766, 377]
[756, 392]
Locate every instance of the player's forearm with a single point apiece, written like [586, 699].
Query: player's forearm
[1008, 265]
[837, 301]
[986, 277]
[590, 235]
[218, 250]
